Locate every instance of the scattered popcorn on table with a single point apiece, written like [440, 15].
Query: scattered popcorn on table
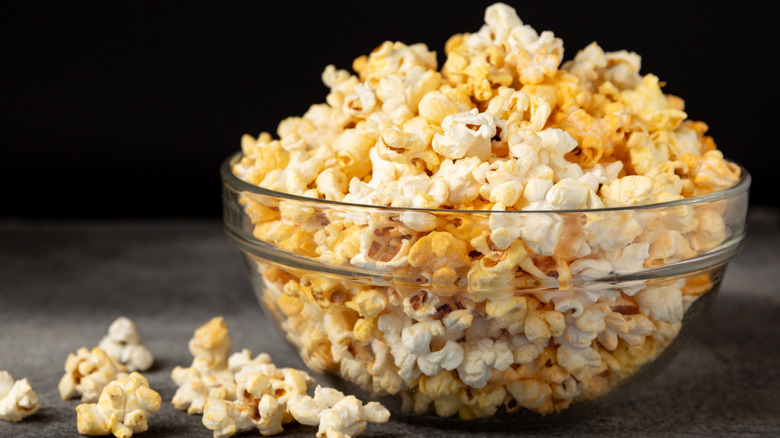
[260, 401]
[87, 373]
[123, 344]
[17, 398]
[209, 375]
[337, 415]
[465, 314]
[122, 410]
[266, 398]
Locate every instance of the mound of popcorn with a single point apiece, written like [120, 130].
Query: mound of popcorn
[471, 307]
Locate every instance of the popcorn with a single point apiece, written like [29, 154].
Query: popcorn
[440, 389]
[662, 302]
[466, 134]
[225, 419]
[435, 106]
[515, 304]
[480, 358]
[337, 415]
[442, 254]
[209, 375]
[531, 394]
[567, 194]
[482, 402]
[123, 344]
[87, 372]
[260, 400]
[122, 410]
[17, 398]
[627, 191]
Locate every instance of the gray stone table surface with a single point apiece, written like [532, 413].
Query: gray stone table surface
[63, 283]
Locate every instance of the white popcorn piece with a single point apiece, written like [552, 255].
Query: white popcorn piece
[466, 134]
[540, 231]
[243, 359]
[627, 191]
[580, 361]
[410, 346]
[340, 82]
[611, 231]
[536, 189]
[461, 179]
[481, 358]
[124, 344]
[383, 246]
[87, 372]
[629, 259]
[17, 398]
[663, 302]
[338, 416]
[225, 419]
[523, 350]
[386, 378]
[361, 103]
[123, 408]
[567, 194]
[591, 269]
[306, 410]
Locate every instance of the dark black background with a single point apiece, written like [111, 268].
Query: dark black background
[127, 109]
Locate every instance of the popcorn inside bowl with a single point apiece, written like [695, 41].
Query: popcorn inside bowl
[507, 232]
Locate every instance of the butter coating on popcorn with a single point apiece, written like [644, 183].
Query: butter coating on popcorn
[489, 286]
[17, 398]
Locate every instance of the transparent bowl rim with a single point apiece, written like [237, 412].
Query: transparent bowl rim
[237, 183]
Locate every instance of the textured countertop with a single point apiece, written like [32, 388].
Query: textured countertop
[63, 283]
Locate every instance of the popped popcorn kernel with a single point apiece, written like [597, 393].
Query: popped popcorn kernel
[124, 344]
[208, 375]
[336, 415]
[87, 372]
[17, 398]
[122, 410]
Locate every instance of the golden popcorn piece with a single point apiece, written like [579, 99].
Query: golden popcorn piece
[122, 410]
[87, 372]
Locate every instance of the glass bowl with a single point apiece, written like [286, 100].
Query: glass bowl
[491, 317]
